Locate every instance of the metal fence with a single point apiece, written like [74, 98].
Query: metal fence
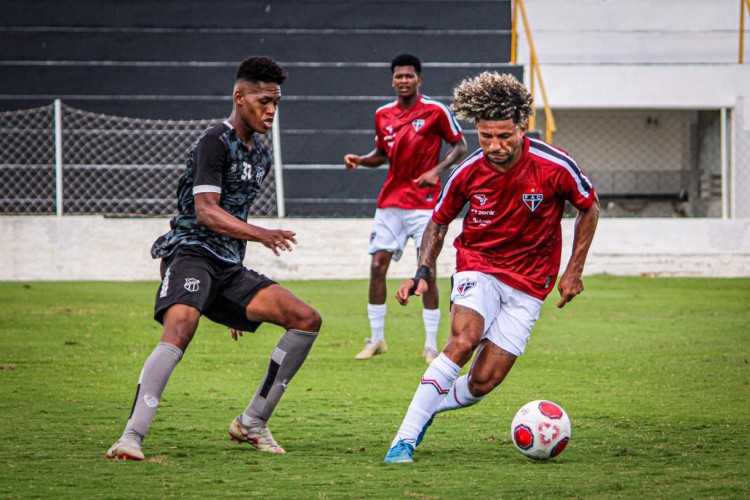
[57, 159]
[644, 163]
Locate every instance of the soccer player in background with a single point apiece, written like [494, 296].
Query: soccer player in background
[409, 136]
[202, 271]
[508, 253]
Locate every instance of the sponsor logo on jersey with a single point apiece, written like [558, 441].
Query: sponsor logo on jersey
[390, 137]
[481, 198]
[192, 284]
[430, 197]
[465, 287]
[417, 124]
[164, 284]
[532, 200]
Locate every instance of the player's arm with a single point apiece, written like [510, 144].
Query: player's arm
[373, 159]
[211, 216]
[432, 176]
[571, 282]
[432, 244]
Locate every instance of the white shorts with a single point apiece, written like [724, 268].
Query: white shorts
[393, 226]
[509, 314]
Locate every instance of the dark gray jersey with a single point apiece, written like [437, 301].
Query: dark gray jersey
[218, 163]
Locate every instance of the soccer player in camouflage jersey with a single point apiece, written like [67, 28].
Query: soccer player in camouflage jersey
[202, 271]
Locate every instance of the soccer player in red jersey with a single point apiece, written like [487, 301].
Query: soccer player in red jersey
[508, 254]
[409, 136]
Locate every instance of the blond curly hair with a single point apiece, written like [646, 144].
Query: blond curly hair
[492, 96]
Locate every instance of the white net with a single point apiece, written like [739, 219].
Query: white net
[112, 165]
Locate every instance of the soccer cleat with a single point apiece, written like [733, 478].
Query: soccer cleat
[125, 450]
[424, 431]
[429, 354]
[400, 453]
[258, 436]
[372, 348]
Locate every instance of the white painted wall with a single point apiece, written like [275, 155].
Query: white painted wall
[96, 248]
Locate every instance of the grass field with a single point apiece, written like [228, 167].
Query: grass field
[654, 374]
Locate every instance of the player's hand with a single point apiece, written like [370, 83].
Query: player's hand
[278, 240]
[427, 179]
[570, 285]
[409, 288]
[236, 333]
[352, 161]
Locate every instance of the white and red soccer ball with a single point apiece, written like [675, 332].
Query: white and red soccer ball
[540, 429]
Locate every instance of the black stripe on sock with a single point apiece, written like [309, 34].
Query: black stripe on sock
[135, 400]
[273, 369]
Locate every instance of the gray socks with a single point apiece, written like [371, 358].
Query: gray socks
[154, 376]
[287, 357]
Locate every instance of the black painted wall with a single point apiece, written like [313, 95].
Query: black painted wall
[177, 60]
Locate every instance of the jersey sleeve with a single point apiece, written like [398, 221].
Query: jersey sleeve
[210, 157]
[574, 185]
[448, 126]
[452, 199]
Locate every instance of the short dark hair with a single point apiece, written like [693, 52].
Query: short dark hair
[258, 69]
[407, 60]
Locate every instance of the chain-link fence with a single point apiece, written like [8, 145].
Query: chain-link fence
[99, 164]
[647, 163]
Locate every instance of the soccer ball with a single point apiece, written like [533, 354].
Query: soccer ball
[540, 430]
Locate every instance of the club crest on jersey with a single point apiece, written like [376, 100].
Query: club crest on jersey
[465, 287]
[192, 284]
[417, 124]
[532, 200]
[481, 198]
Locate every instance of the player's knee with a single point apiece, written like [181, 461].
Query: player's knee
[307, 319]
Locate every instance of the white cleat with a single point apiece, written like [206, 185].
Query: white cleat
[429, 355]
[258, 436]
[372, 348]
[124, 450]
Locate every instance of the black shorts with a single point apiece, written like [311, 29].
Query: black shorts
[219, 290]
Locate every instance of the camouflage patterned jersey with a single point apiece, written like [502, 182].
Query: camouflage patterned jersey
[218, 163]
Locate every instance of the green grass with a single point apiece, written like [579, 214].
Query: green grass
[654, 374]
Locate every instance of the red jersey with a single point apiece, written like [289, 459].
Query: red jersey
[412, 140]
[512, 227]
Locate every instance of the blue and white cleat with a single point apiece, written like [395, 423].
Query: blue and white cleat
[400, 453]
[424, 431]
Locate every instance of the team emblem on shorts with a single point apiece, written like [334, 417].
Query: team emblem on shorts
[417, 124]
[465, 287]
[192, 284]
[532, 200]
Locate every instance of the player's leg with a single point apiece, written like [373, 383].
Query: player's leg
[387, 242]
[277, 305]
[178, 309]
[467, 327]
[416, 225]
[503, 342]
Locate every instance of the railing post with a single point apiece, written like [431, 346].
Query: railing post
[278, 175]
[58, 159]
[514, 33]
[742, 31]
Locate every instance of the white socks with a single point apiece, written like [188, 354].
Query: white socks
[376, 313]
[436, 381]
[458, 396]
[431, 318]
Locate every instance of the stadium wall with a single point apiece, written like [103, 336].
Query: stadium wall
[98, 248]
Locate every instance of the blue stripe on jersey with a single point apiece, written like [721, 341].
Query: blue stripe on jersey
[470, 160]
[455, 127]
[544, 150]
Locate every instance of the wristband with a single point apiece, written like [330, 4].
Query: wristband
[423, 273]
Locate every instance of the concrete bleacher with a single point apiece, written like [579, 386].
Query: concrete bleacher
[177, 60]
